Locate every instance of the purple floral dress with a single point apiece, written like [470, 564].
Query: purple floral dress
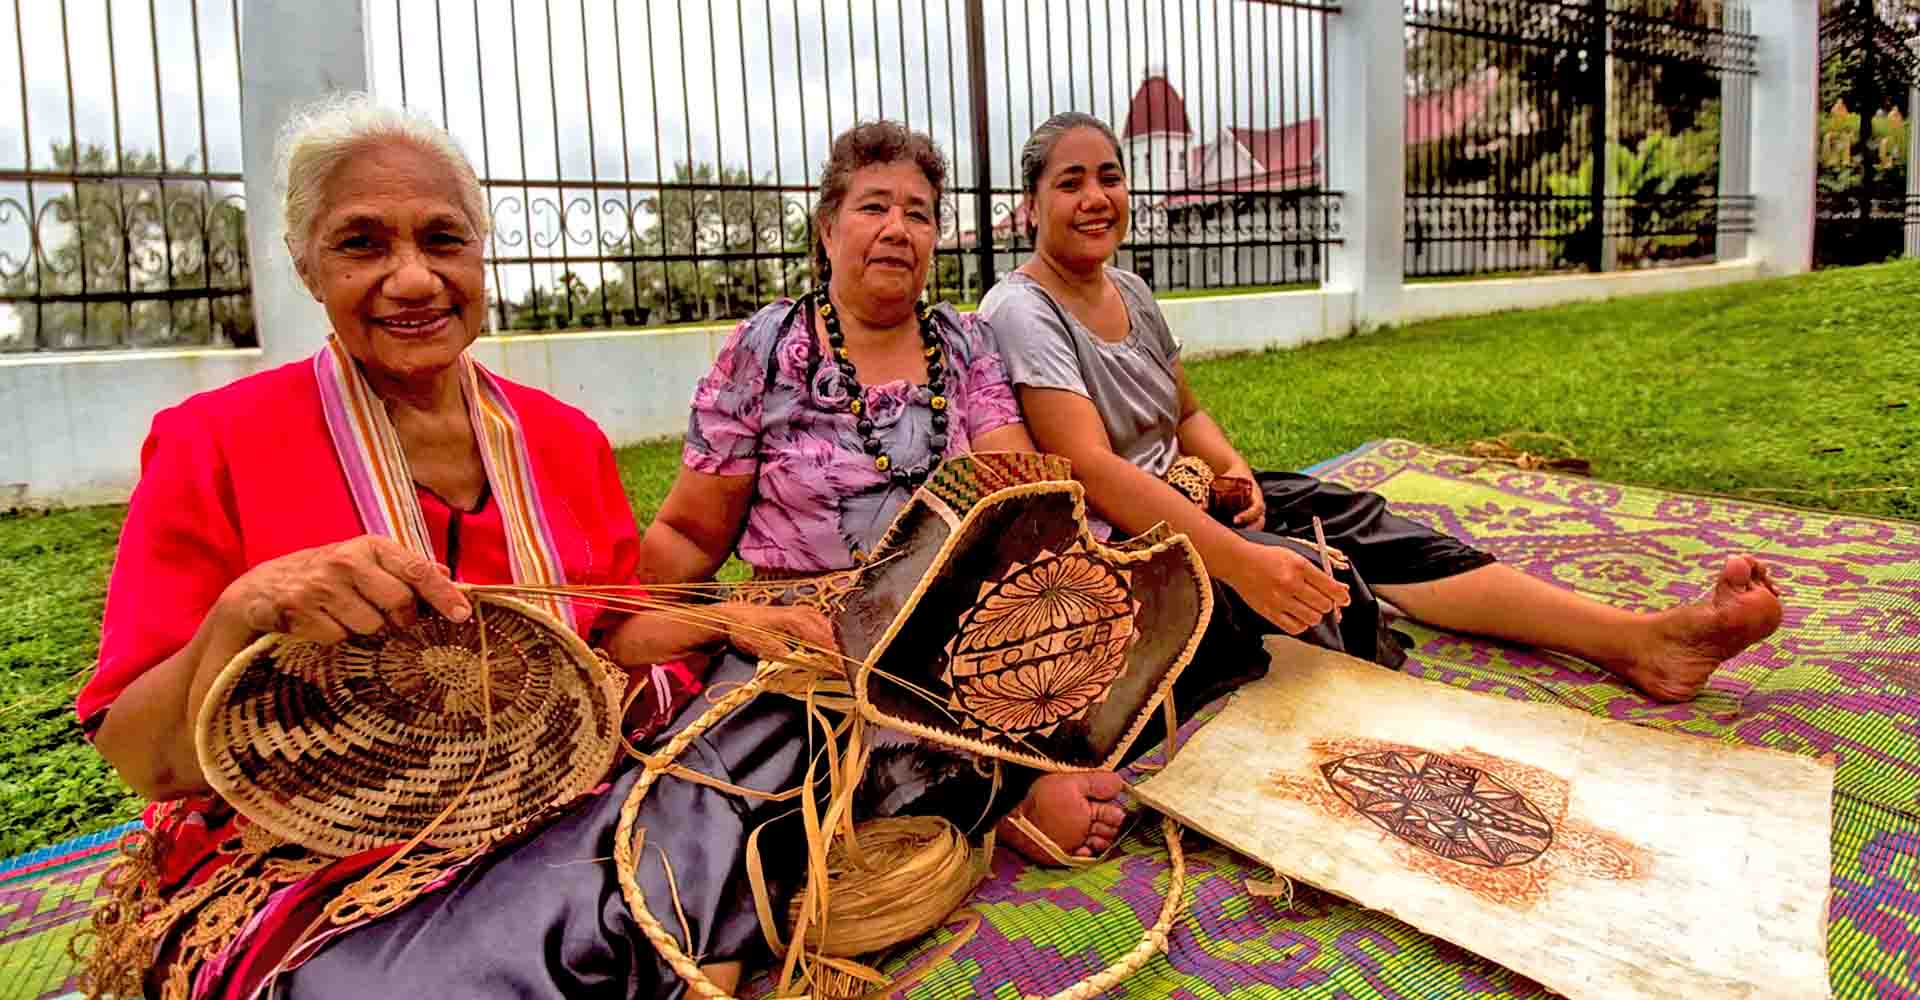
[772, 406]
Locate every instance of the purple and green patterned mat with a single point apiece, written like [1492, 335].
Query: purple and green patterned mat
[1842, 676]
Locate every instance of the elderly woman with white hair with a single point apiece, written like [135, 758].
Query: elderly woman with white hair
[282, 503]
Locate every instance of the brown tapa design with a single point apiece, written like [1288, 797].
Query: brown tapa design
[990, 619]
[1497, 828]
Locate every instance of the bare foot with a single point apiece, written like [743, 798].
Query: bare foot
[1686, 644]
[1078, 812]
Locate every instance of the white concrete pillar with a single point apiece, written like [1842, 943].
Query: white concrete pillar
[1366, 156]
[1913, 174]
[1603, 157]
[1786, 105]
[291, 52]
[1736, 145]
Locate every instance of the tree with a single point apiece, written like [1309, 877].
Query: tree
[1867, 65]
[1842, 168]
[571, 301]
[1536, 72]
[706, 245]
[1665, 183]
[119, 228]
[705, 213]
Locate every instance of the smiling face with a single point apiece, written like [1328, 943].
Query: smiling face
[397, 262]
[1080, 203]
[880, 240]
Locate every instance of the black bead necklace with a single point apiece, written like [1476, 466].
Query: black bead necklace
[856, 398]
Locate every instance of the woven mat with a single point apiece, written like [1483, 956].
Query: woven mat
[44, 898]
[1842, 676]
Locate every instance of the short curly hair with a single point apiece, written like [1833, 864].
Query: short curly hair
[868, 144]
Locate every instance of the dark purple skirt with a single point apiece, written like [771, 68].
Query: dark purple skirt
[546, 919]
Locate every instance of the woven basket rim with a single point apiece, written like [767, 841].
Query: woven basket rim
[240, 794]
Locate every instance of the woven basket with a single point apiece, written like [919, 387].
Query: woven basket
[341, 748]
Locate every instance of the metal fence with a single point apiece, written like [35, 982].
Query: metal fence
[655, 162]
[1574, 134]
[1867, 202]
[122, 222]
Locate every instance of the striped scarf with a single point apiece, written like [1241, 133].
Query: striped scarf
[383, 488]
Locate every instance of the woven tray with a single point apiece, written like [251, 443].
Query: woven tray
[352, 746]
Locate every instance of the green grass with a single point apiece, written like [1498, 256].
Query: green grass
[647, 471]
[53, 569]
[1798, 391]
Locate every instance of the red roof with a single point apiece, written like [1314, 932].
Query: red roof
[1285, 156]
[1156, 108]
[1446, 114]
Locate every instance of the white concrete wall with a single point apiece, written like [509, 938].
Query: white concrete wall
[636, 384]
[1913, 171]
[71, 425]
[1228, 324]
[1440, 299]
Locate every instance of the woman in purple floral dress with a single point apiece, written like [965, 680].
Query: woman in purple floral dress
[816, 423]
[772, 435]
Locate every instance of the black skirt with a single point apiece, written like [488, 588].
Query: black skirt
[1381, 547]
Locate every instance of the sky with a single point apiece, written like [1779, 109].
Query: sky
[557, 89]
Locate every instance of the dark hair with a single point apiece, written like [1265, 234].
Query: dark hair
[1039, 149]
[865, 145]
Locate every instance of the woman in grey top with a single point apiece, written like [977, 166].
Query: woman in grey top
[1099, 378]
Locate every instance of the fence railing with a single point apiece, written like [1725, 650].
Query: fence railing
[118, 227]
[1573, 134]
[656, 162]
[1851, 228]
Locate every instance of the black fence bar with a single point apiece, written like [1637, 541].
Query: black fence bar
[1548, 135]
[110, 235]
[982, 138]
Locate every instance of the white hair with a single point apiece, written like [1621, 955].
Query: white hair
[319, 137]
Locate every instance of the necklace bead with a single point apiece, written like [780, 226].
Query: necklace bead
[909, 478]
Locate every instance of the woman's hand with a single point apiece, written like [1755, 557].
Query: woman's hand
[1283, 586]
[324, 593]
[1255, 516]
[771, 633]
[356, 587]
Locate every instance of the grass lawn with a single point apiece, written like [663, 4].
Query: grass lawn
[1799, 391]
